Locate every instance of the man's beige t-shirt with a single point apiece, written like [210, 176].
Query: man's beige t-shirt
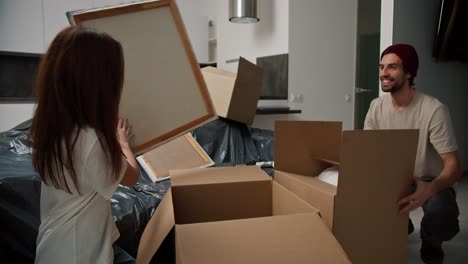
[425, 113]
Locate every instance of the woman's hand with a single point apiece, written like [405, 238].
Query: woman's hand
[124, 132]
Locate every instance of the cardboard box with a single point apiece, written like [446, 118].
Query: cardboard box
[237, 215]
[375, 168]
[235, 96]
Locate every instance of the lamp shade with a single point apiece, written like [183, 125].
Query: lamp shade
[243, 11]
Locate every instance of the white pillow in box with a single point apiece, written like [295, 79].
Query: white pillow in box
[329, 175]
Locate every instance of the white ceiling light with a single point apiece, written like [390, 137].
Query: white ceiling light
[243, 11]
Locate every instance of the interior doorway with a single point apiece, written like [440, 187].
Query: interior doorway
[367, 58]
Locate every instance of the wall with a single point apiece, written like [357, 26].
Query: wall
[415, 23]
[322, 48]
[269, 36]
[196, 15]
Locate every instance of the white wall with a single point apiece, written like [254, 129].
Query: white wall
[322, 48]
[269, 36]
[415, 23]
[195, 15]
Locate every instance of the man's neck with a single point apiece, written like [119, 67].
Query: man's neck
[403, 97]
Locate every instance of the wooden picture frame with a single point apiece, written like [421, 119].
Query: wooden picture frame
[164, 93]
[181, 153]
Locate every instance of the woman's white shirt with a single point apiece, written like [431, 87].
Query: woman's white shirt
[78, 228]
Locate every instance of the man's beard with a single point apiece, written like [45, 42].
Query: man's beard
[394, 88]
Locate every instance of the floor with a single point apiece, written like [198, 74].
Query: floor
[456, 250]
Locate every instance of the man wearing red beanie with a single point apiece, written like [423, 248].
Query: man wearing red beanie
[437, 166]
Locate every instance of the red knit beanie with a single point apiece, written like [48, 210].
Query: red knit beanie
[407, 54]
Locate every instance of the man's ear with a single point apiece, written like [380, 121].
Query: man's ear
[408, 75]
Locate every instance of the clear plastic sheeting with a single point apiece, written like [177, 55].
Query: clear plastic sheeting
[227, 142]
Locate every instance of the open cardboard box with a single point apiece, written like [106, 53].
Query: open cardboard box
[375, 168]
[235, 96]
[237, 215]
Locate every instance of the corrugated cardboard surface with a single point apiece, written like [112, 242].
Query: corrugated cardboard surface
[298, 144]
[218, 175]
[220, 85]
[235, 96]
[320, 195]
[375, 171]
[164, 93]
[158, 227]
[218, 196]
[246, 93]
[286, 202]
[224, 201]
[298, 238]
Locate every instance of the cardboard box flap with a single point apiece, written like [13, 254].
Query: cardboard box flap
[218, 175]
[300, 146]
[219, 72]
[384, 160]
[220, 84]
[286, 202]
[235, 96]
[320, 195]
[246, 93]
[260, 240]
[157, 229]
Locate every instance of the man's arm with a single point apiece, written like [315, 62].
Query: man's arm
[450, 174]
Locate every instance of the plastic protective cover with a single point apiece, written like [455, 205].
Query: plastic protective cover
[227, 142]
[231, 143]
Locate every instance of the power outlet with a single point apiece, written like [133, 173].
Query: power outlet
[299, 98]
[296, 98]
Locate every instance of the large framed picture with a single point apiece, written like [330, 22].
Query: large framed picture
[164, 93]
[181, 153]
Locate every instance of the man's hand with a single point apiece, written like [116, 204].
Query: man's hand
[424, 191]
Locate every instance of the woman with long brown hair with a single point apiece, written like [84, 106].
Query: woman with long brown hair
[80, 146]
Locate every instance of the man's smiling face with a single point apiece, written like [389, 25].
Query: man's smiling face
[392, 75]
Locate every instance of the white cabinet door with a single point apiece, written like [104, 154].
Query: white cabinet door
[21, 26]
[55, 18]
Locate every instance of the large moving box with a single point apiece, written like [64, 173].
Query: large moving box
[237, 215]
[235, 96]
[375, 168]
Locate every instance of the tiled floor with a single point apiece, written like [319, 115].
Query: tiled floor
[456, 250]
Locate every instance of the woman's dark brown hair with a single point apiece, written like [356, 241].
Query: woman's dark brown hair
[79, 84]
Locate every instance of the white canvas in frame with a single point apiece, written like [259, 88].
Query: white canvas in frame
[164, 93]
